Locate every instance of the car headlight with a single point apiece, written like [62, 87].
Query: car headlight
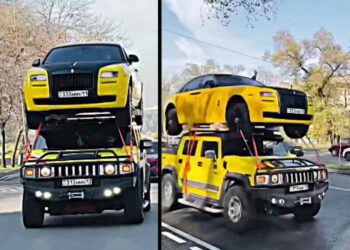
[276, 179]
[109, 74]
[323, 175]
[262, 179]
[315, 173]
[45, 172]
[266, 94]
[39, 77]
[109, 169]
[126, 168]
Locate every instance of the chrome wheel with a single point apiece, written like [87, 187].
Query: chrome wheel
[168, 191]
[234, 209]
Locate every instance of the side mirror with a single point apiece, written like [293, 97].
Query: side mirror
[133, 58]
[145, 144]
[210, 154]
[209, 84]
[36, 62]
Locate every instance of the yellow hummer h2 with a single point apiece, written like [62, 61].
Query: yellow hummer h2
[224, 177]
[85, 165]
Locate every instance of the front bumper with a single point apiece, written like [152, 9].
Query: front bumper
[95, 192]
[290, 199]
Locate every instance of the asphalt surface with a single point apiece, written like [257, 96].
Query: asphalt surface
[101, 231]
[329, 230]
[325, 157]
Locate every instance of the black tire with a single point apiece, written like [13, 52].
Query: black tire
[237, 118]
[169, 200]
[139, 117]
[172, 123]
[133, 203]
[295, 131]
[32, 211]
[347, 156]
[243, 221]
[147, 197]
[33, 120]
[306, 212]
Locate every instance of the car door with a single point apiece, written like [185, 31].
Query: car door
[214, 169]
[186, 101]
[206, 102]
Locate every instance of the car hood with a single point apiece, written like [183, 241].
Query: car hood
[78, 67]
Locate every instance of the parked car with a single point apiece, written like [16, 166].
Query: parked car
[346, 154]
[152, 159]
[335, 149]
[240, 103]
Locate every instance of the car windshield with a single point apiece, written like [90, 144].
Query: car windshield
[81, 135]
[233, 80]
[153, 149]
[85, 53]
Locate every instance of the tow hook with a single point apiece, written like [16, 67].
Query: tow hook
[305, 200]
[75, 195]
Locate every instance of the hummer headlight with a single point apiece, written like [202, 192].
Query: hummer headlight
[315, 173]
[39, 77]
[274, 178]
[126, 168]
[45, 172]
[109, 74]
[109, 169]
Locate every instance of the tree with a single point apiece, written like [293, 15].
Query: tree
[315, 63]
[225, 9]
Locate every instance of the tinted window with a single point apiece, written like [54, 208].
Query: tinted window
[81, 135]
[185, 150]
[235, 147]
[209, 145]
[193, 84]
[232, 80]
[112, 53]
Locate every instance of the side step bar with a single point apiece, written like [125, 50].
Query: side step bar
[211, 210]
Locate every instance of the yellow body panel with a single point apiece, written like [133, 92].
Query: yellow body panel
[40, 89]
[209, 177]
[209, 106]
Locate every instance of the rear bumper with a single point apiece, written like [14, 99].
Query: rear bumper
[90, 193]
[290, 199]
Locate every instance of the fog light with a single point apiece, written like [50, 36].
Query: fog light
[38, 194]
[116, 190]
[108, 193]
[320, 196]
[47, 195]
[323, 194]
[281, 201]
[274, 201]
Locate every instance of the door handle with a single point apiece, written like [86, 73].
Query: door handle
[195, 93]
[180, 161]
[199, 164]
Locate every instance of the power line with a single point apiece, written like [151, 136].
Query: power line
[216, 46]
[182, 66]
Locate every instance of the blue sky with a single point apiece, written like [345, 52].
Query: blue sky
[302, 18]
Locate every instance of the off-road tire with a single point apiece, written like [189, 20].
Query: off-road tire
[306, 212]
[295, 131]
[133, 203]
[173, 127]
[33, 119]
[147, 197]
[32, 211]
[248, 212]
[237, 118]
[169, 202]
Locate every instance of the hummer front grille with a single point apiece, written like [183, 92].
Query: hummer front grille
[302, 177]
[79, 170]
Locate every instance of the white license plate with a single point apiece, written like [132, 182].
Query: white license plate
[296, 111]
[73, 94]
[76, 182]
[297, 188]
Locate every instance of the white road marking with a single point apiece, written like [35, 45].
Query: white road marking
[195, 248]
[174, 237]
[190, 237]
[342, 189]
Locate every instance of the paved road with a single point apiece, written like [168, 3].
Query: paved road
[329, 230]
[106, 231]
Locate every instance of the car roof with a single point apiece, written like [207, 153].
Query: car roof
[87, 43]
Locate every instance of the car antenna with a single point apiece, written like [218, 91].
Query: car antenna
[255, 74]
